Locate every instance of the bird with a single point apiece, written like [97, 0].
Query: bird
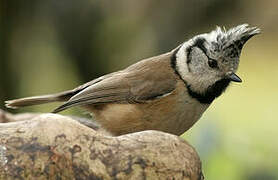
[168, 92]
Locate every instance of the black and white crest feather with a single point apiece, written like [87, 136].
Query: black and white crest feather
[230, 42]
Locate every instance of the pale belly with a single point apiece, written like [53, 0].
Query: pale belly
[174, 114]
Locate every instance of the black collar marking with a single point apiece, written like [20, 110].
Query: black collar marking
[212, 91]
[174, 62]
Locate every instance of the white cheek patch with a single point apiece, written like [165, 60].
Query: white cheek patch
[198, 82]
[181, 58]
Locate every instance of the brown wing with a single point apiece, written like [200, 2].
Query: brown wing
[145, 80]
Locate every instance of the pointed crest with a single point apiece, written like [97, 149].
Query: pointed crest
[232, 40]
[238, 35]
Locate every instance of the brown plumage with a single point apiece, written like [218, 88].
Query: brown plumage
[168, 92]
[130, 100]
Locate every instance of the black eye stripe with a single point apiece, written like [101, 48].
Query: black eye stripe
[200, 44]
[212, 63]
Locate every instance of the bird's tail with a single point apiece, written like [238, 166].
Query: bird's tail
[35, 100]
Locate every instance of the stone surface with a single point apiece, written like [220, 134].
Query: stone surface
[51, 146]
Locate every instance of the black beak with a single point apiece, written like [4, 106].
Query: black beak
[234, 77]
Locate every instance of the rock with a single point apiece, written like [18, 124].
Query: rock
[51, 146]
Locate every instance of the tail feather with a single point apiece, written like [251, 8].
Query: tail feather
[36, 100]
[29, 101]
[62, 96]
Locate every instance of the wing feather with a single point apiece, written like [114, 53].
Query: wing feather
[136, 84]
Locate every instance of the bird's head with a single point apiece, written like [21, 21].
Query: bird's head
[208, 62]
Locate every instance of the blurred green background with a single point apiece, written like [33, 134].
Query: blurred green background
[50, 46]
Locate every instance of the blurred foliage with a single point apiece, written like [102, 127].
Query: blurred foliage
[50, 46]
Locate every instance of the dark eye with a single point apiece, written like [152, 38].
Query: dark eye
[212, 63]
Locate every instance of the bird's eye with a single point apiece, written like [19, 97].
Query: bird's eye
[212, 63]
